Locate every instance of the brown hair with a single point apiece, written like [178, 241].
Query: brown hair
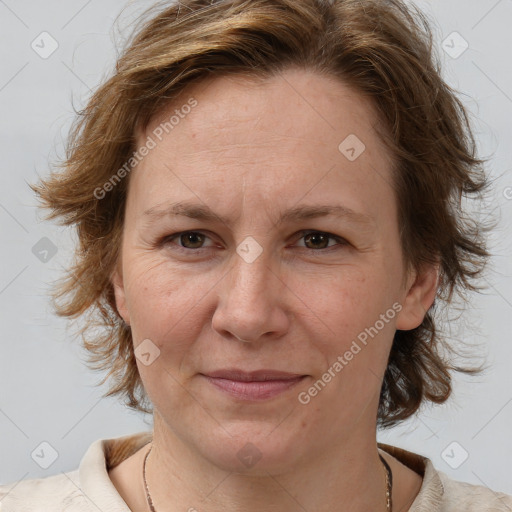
[384, 51]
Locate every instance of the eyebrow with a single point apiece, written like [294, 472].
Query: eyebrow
[296, 214]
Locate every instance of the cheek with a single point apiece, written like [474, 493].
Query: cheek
[166, 309]
[346, 301]
[358, 336]
[160, 297]
[360, 317]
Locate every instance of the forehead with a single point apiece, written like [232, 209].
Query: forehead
[314, 105]
[290, 133]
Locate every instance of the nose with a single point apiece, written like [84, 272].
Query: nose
[251, 302]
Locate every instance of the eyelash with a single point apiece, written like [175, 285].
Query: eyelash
[340, 241]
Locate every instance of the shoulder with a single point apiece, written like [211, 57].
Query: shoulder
[57, 492]
[472, 498]
[86, 489]
[441, 493]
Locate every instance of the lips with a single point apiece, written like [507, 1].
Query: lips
[253, 386]
[254, 376]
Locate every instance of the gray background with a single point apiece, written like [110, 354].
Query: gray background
[46, 392]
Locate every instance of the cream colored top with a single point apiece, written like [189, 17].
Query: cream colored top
[89, 488]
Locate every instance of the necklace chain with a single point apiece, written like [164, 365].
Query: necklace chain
[389, 483]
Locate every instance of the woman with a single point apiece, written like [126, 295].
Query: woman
[267, 197]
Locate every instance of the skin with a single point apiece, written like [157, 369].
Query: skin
[249, 151]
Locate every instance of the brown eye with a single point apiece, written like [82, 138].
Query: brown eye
[316, 240]
[192, 240]
[189, 244]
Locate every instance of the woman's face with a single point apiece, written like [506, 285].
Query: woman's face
[282, 192]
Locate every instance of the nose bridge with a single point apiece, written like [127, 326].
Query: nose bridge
[249, 302]
[250, 281]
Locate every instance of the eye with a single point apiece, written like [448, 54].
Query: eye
[315, 240]
[187, 240]
[195, 240]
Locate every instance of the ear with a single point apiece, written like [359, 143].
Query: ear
[421, 291]
[119, 292]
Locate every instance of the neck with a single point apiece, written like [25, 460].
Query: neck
[349, 476]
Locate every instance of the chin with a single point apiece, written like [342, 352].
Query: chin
[251, 449]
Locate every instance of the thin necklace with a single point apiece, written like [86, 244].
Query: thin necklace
[389, 483]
